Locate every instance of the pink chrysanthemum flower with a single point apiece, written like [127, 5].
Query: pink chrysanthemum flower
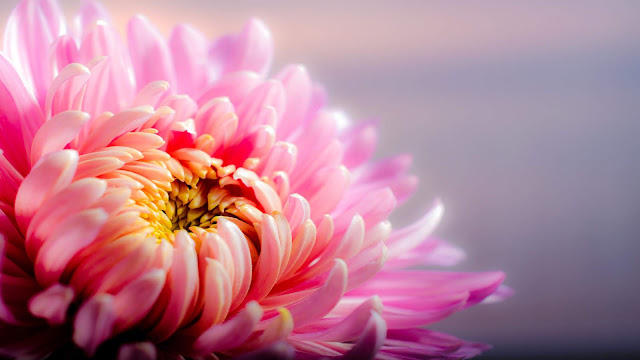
[167, 199]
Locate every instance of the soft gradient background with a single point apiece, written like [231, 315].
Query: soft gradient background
[523, 118]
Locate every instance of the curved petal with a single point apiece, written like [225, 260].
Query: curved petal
[56, 133]
[360, 144]
[94, 323]
[150, 284]
[31, 28]
[341, 329]
[370, 341]
[103, 133]
[91, 12]
[232, 332]
[251, 49]
[65, 241]
[233, 236]
[67, 89]
[298, 88]
[277, 329]
[10, 178]
[404, 240]
[265, 274]
[137, 351]
[52, 173]
[322, 301]
[149, 53]
[188, 49]
[52, 303]
[20, 116]
[278, 351]
[181, 287]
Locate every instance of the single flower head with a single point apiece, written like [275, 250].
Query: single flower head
[167, 198]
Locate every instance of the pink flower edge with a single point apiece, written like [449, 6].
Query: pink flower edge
[169, 199]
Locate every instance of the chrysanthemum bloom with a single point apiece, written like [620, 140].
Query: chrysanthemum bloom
[170, 199]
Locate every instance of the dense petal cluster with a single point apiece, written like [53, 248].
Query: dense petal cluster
[169, 199]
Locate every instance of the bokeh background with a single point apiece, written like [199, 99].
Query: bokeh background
[523, 119]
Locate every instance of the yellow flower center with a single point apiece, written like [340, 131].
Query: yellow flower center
[196, 201]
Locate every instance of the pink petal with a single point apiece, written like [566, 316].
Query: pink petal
[52, 173]
[265, 274]
[217, 296]
[90, 13]
[281, 157]
[251, 49]
[388, 167]
[189, 50]
[420, 343]
[340, 247]
[374, 207]
[323, 237]
[360, 144]
[128, 269]
[109, 88]
[119, 124]
[57, 133]
[342, 329]
[14, 242]
[137, 351]
[432, 251]
[66, 240]
[149, 53]
[270, 93]
[52, 303]
[277, 329]
[152, 93]
[267, 197]
[370, 341]
[366, 264]
[232, 332]
[404, 240]
[278, 351]
[11, 180]
[65, 52]
[376, 234]
[407, 312]
[184, 106]
[502, 293]
[20, 116]
[301, 248]
[322, 301]
[431, 283]
[242, 259]
[142, 141]
[325, 199]
[16, 289]
[234, 86]
[97, 167]
[181, 287]
[150, 284]
[94, 323]
[66, 90]
[284, 234]
[304, 179]
[85, 192]
[298, 89]
[31, 28]
[318, 134]
[297, 211]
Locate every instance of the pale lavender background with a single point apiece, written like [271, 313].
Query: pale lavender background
[523, 118]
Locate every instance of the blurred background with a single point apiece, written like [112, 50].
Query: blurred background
[523, 119]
